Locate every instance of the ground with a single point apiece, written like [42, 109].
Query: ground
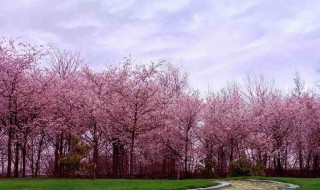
[305, 183]
[246, 185]
[101, 184]
[116, 184]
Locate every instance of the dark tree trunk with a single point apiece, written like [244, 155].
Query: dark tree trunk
[208, 165]
[16, 163]
[56, 157]
[300, 162]
[39, 157]
[131, 154]
[278, 165]
[315, 165]
[2, 164]
[186, 155]
[24, 151]
[115, 158]
[95, 158]
[107, 161]
[231, 151]
[308, 162]
[221, 162]
[9, 152]
[95, 152]
[60, 154]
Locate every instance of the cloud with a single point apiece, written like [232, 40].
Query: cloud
[214, 41]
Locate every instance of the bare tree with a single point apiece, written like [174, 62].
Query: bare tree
[65, 62]
[257, 87]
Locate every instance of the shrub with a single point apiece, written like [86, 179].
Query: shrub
[73, 162]
[258, 170]
[244, 167]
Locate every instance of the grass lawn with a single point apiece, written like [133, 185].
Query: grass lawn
[305, 183]
[101, 184]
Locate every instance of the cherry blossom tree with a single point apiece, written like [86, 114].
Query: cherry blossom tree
[144, 120]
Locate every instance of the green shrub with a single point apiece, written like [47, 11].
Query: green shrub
[72, 162]
[258, 170]
[244, 167]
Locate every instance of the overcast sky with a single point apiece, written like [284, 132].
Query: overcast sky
[215, 41]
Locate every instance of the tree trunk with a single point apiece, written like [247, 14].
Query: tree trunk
[95, 157]
[186, 155]
[9, 153]
[107, 161]
[315, 165]
[115, 158]
[2, 164]
[231, 151]
[279, 166]
[16, 163]
[24, 159]
[308, 162]
[56, 157]
[95, 151]
[300, 162]
[131, 155]
[60, 154]
[221, 162]
[39, 157]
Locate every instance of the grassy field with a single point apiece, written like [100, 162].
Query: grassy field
[118, 184]
[305, 183]
[101, 184]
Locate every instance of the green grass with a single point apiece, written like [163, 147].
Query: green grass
[305, 183]
[101, 184]
[118, 184]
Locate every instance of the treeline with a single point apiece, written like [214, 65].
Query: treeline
[60, 118]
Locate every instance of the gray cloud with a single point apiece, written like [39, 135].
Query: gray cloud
[215, 41]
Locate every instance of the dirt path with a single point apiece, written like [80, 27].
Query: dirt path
[247, 185]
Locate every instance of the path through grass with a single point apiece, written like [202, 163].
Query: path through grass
[305, 183]
[247, 185]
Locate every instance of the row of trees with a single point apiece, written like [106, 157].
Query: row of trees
[59, 118]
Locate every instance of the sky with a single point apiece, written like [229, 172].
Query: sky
[215, 42]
